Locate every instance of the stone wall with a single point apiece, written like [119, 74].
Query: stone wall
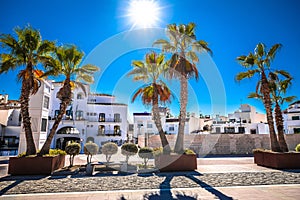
[222, 143]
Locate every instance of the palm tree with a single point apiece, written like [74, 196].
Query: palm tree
[156, 91]
[259, 63]
[67, 63]
[278, 90]
[27, 50]
[182, 65]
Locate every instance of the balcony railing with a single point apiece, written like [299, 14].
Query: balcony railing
[109, 133]
[94, 119]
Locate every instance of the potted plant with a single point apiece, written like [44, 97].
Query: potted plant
[128, 149]
[176, 162]
[36, 165]
[73, 149]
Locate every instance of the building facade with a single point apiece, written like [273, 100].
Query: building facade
[292, 118]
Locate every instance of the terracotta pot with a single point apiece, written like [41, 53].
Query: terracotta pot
[290, 160]
[176, 162]
[35, 165]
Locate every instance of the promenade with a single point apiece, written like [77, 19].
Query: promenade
[215, 178]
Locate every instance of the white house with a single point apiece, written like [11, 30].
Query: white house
[244, 120]
[90, 117]
[292, 118]
[10, 121]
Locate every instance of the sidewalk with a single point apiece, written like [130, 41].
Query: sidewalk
[209, 182]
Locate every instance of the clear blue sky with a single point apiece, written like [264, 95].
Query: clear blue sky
[99, 28]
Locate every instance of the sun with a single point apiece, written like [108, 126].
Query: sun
[143, 13]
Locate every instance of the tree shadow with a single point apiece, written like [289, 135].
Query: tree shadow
[16, 181]
[166, 193]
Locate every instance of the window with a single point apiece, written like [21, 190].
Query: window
[232, 120]
[87, 114]
[296, 130]
[117, 130]
[56, 112]
[241, 129]
[46, 102]
[101, 130]
[295, 118]
[68, 130]
[244, 121]
[140, 124]
[69, 114]
[90, 139]
[171, 128]
[117, 117]
[79, 96]
[253, 131]
[218, 130]
[229, 129]
[79, 115]
[102, 117]
[44, 125]
[149, 125]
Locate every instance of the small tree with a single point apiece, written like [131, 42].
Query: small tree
[90, 149]
[146, 153]
[109, 149]
[129, 149]
[72, 149]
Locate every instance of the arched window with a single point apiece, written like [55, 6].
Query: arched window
[117, 131]
[90, 139]
[117, 117]
[102, 117]
[68, 130]
[79, 96]
[101, 130]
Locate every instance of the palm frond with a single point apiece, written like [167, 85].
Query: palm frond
[248, 74]
[254, 95]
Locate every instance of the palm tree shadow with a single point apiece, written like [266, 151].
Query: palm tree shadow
[165, 188]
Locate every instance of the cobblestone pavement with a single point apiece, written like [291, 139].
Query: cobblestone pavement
[102, 182]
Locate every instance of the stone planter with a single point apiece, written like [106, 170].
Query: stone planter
[290, 160]
[176, 162]
[35, 165]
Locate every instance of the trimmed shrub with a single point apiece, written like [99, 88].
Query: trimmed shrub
[129, 149]
[189, 152]
[90, 149]
[297, 148]
[146, 153]
[72, 149]
[109, 149]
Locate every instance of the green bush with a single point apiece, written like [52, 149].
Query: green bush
[109, 149]
[129, 149]
[90, 149]
[157, 151]
[189, 152]
[72, 149]
[146, 153]
[297, 148]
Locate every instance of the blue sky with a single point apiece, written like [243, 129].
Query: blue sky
[101, 30]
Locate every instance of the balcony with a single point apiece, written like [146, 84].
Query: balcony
[95, 119]
[109, 133]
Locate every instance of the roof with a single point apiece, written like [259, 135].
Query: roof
[296, 102]
[142, 114]
[108, 104]
[101, 94]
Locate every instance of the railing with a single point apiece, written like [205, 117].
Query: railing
[96, 119]
[109, 133]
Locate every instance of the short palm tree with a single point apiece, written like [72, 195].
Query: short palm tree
[27, 50]
[258, 63]
[278, 90]
[156, 91]
[183, 46]
[67, 63]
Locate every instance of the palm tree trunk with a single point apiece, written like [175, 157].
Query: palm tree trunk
[182, 116]
[24, 99]
[265, 90]
[65, 100]
[157, 121]
[280, 130]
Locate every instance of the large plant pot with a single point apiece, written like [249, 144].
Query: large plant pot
[290, 160]
[35, 165]
[176, 162]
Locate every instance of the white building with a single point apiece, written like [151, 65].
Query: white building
[245, 120]
[10, 121]
[292, 118]
[90, 117]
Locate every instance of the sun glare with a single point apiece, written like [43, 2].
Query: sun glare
[143, 13]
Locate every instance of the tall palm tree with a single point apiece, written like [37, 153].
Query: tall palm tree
[278, 90]
[183, 46]
[259, 63]
[156, 91]
[67, 63]
[26, 50]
